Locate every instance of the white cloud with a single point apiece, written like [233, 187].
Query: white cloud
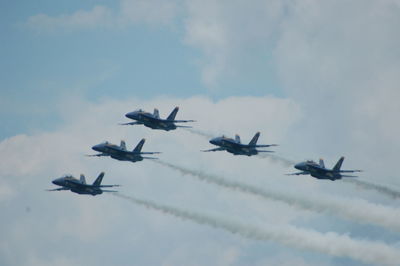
[29, 163]
[128, 12]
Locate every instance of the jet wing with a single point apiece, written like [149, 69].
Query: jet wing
[350, 171]
[58, 189]
[108, 186]
[215, 149]
[130, 123]
[299, 173]
[96, 155]
[182, 121]
[148, 152]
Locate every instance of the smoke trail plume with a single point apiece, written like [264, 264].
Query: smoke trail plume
[277, 159]
[357, 210]
[329, 243]
[199, 133]
[379, 188]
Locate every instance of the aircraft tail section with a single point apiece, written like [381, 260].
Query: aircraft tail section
[82, 179]
[254, 140]
[98, 180]
[123, 145]
[156, 113]
[139, 147]
[173, 114]
[337, 166]
[321, 163]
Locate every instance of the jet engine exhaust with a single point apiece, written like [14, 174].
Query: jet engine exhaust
[358, 210]
[329, 243]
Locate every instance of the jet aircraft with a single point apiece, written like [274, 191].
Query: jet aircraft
[80, 186]
[153, 120]
[320, 172]
[121, 153]
[236, 147]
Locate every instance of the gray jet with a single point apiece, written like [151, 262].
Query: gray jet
[121, 153]
[80, 186]
[320, 172]
[236, 147]
[153, 120]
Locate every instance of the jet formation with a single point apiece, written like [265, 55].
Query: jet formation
[224, 143]
[153, 120]
[121, 153]
[319, 171]
[80, 186]
[235, 147]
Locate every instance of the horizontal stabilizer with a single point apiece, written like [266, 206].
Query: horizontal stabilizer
[184, 126]
[109, 190]
[149, 152]
[57, 189]
[151, 158]
[265, 151]
[349, 176]
[266, 145]
[350, 171]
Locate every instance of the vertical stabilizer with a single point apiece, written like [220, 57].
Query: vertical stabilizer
[173, 114]
[337, 166]
[98, 180]
[321, 163]
[123, 145]
[254, 140]
[82, 179]
[139, 147]
[156, 113]
[237, 138]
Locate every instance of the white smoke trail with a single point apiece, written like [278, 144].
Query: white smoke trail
[200, 133]
[329, 243]
[379, 188]
[357, 210]
[277, 159]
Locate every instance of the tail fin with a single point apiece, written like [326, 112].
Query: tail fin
[82, 179]
[237, 138]
[338, 164]
[98, 180]
[254, 140]
[156, 113]
[321, 163]
[123, 145]
[173, 114]
[139, 147]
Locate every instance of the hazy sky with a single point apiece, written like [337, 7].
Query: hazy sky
[320, 78]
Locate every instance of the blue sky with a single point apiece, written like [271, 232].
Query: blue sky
[319, 78]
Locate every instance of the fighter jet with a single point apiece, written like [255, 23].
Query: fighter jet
[320, 172]
[121, 153]
[154, 121]
[79, 186]
[236, 147]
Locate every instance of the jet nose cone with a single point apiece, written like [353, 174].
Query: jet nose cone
[131, 114]
[96, 147]
[299, 166]
[56, 181]
[213, 141]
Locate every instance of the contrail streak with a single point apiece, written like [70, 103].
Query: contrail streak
[357, 210]
[199, 132]
[379, 188]
[329, 243]
[276, 158]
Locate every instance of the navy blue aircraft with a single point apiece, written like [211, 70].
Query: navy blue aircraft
[80, 186]
[320, 172]
[121, 153]
[236, 147]
[153, 120]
